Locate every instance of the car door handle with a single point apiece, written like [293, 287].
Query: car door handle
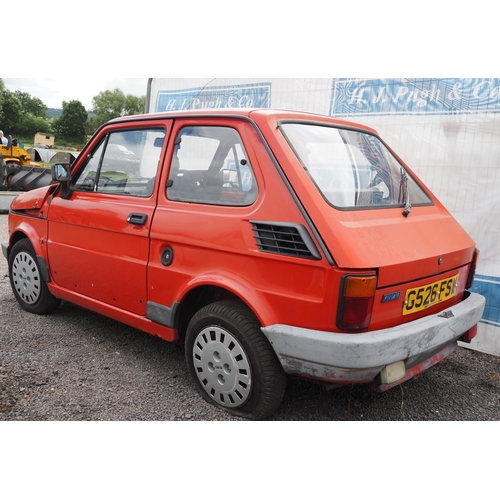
[137, 219]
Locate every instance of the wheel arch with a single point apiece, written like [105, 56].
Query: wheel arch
[17, 236]
[28, 275]
[201, 294]
[25, 231]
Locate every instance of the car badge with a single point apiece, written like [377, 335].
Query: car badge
[389, 297]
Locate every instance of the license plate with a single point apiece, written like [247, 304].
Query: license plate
[418, 299]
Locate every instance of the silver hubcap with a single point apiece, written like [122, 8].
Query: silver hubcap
[26, 278]
[222, 367]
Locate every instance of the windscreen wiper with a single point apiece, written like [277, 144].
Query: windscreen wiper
[406, 192]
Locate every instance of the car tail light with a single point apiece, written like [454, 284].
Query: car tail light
[356, 302]
[472, 270]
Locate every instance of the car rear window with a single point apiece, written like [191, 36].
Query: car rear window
[353, 169]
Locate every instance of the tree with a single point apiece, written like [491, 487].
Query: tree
[20, 114]
[32, 105]
[29, 125]
[71, 124]
[2, 90]
[10, 113]
[112, 104]
[134, 105]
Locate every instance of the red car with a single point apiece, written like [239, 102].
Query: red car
[268, 242]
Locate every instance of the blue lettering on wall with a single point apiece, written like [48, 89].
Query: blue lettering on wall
[415, 96]
[254, 95]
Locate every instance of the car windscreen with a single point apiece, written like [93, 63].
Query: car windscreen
[353, 169]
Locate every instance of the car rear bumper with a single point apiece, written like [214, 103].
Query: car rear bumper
[359, 358]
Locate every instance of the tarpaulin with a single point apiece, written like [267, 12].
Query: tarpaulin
[446, 129]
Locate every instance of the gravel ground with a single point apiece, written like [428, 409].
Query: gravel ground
[74, 365]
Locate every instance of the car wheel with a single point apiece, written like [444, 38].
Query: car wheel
[26, 280]
[232, 362]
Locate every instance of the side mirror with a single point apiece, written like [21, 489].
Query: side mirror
[61, 172]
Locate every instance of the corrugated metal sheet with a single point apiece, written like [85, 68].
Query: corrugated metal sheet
[52, 155]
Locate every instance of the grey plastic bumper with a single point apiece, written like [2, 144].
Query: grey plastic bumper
[355, 358]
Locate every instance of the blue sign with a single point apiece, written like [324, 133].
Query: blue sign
[254, 95]
[489, 286]
[400, 96]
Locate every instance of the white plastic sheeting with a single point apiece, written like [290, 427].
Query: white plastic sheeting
[447, 130]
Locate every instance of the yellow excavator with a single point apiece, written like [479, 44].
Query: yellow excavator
[17, 171]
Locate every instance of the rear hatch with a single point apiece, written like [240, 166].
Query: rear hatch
[375, 215]
[422, 262]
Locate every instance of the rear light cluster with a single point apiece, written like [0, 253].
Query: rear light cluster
[356, 302]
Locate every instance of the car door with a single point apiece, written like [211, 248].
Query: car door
[211, 188]
[98, 239]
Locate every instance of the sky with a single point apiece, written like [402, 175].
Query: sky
[53, 91]
[371, 44]
[375, 39]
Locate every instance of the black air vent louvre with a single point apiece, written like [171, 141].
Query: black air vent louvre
[284, 238]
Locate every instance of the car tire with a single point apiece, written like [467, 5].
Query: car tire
[27, 282]
[232, 362]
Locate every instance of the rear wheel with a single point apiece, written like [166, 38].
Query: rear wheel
[26, 280]
[232, 362]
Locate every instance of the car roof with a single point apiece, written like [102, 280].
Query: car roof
[257, 114]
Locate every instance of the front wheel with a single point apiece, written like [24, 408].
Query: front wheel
[232, 362]
[26, 280]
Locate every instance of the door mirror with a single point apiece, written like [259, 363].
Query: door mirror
[61, 172]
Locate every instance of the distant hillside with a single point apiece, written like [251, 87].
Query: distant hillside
[54, 112]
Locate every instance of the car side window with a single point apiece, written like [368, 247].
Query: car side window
[124, 163]
[210, 166]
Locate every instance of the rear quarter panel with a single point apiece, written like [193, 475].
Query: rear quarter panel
[402, 249]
